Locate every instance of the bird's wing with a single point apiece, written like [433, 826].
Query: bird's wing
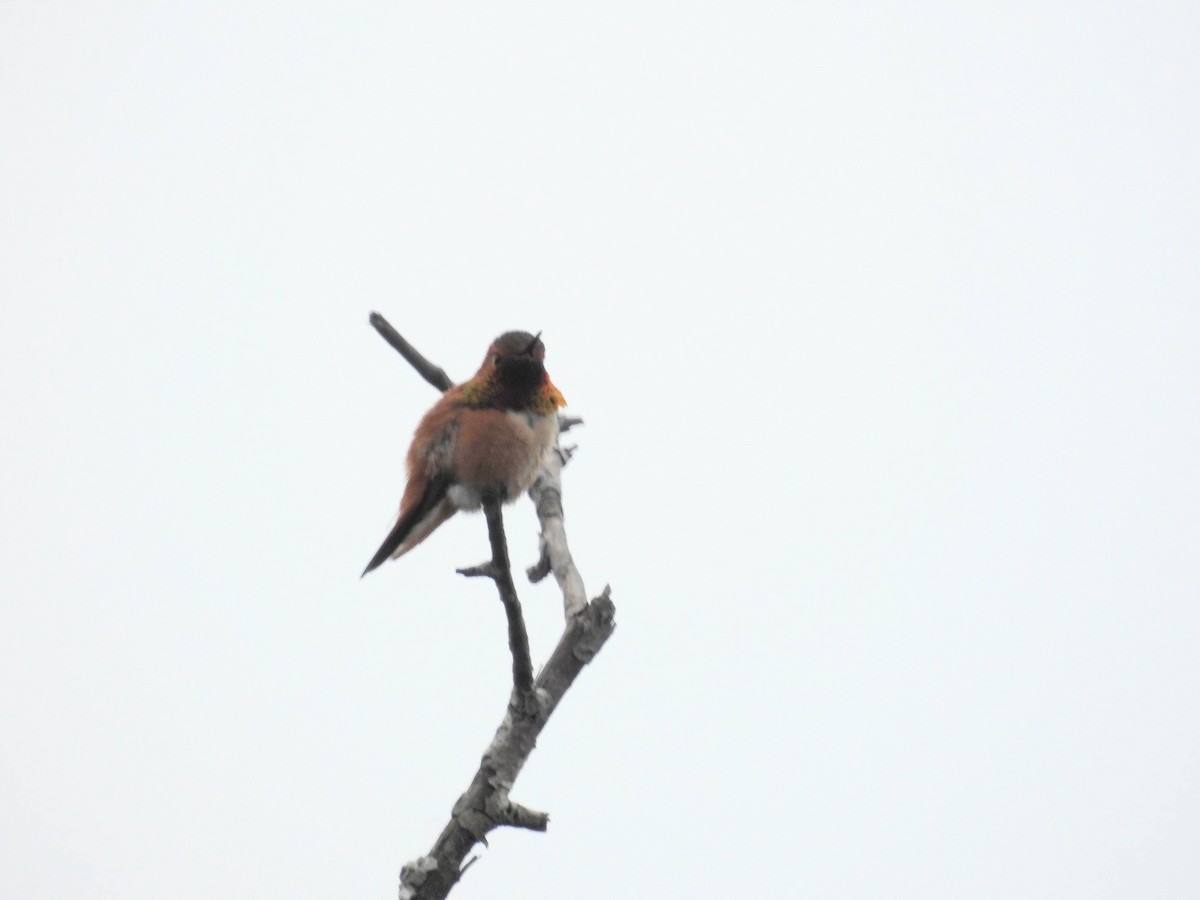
[427, 513]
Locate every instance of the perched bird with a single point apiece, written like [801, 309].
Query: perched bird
[483, 440]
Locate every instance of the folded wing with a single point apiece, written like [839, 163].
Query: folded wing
[417, 522]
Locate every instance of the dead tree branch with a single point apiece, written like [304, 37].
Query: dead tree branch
[486, 805]
[427, 370]
[499, 570]
[555, 554]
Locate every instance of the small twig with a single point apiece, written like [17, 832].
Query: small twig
[470, 862]
[522, 817]
[427, 370]
[483, 570]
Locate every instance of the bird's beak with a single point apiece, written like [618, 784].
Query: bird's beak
[555, 395]
[533, 343]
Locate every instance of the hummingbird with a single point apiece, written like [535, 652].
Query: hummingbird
[483, 440]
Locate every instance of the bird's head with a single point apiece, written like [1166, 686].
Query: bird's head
[513, 376]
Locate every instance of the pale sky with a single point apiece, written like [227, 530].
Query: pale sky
[885, 323]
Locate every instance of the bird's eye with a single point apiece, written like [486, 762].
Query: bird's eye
[496, 360]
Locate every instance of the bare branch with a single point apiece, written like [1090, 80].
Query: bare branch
[500, 571]
[546, 494]
[427, 370]
[479, 810]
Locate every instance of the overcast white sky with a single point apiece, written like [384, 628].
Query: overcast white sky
[885, 322]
